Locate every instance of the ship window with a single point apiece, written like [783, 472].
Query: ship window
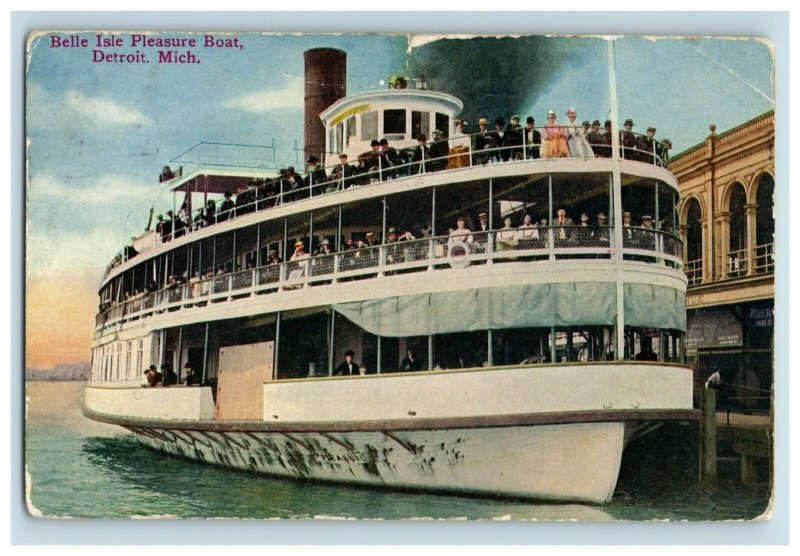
[420, 123]
[339, 137]
[128, 360]
[369, 126]
[443, 124]
[394, 121]
[351, 129]
[139, 358]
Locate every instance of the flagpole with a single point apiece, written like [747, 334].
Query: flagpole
[617, 196]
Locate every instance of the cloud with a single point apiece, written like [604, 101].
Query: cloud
[72, 227]
[102, 190]
[103, 111]
[267, 100]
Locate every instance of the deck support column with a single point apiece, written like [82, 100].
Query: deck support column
[378, 363]
[332, 325]
[430, 352]
[180, 353]
[489, 347]
[204, 373]
[276, 345]
[553, 348]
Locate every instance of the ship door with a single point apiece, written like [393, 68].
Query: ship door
[241, 375]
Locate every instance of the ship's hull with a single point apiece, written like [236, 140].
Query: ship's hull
[565, 462]
[549, 432]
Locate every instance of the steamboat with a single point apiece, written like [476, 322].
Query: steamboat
[433, 321]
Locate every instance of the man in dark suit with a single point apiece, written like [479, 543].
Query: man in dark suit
[595, 139]
[627, 140]
[483, 140]
[410, 361]
[562, 224]
[513, 138]
[348, 367]
[498, 141]
[420, 154]
[226, 208]
[533, 139]
[438, 153]
[649, 146]
[316, 174]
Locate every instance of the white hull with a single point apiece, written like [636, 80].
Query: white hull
[540, 432]
[565, 462]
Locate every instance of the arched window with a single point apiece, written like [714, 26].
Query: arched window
[694, 242]
[764, 260]
[737, 247]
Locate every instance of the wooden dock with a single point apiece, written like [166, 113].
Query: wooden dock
[734, 438]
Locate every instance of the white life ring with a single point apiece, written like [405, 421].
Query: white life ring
[457, 252]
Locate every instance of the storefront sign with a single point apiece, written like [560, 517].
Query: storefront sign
[710, 328]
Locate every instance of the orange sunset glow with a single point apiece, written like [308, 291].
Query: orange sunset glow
[59, 317]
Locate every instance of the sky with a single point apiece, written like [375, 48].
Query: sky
[98, 133]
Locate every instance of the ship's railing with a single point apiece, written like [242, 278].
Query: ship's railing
[460, 249]
[379, 167]
[694, 271]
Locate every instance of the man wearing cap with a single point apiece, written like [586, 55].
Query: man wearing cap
[605, 150]
[348, 367]
[389, 158]
[601, 232]
[649, 146]
[343, 172]
[394, 252]
[562, 222]
[483, 140]
[225, 208]
[190, 378]
[316, 175]
[595, 139]
[647, 236]
[438, 152]
[628, 233]
[513, 138]
[627, 140]
[420, 155]
[533, 139]
[498, 141]
[170, 378]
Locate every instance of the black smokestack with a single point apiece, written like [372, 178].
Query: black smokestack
[326, 82]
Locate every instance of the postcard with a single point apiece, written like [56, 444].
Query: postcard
[374, 276]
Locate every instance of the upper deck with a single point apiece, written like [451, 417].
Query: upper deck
[262, 199]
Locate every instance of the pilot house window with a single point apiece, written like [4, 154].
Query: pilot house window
[420, 123]
[369, 126]
[443, 124]
[394, 122]
[351, 129]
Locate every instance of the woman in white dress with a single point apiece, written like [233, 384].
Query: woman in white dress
[506, 236]
[579, 147]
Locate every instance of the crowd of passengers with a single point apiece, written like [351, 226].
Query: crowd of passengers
[527, 234]
[383, 162]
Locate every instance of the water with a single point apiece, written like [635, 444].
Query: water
[80, 468]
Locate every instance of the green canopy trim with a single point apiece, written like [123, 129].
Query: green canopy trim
[653, 306]
[520, 306]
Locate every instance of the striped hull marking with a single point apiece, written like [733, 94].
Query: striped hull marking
[566, 462]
